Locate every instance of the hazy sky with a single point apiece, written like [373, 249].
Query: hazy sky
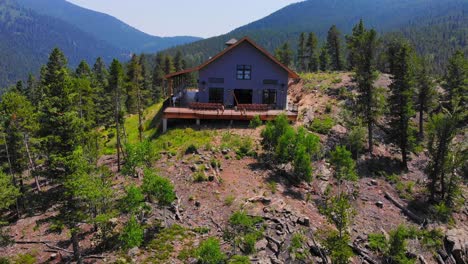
[203, 18]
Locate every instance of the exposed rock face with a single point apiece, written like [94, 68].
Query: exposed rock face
[457, 244]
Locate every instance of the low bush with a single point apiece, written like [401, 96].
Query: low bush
[209, 252]
[255, 122]
[322, 125]
[132, 235]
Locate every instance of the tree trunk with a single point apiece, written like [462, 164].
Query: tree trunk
[117, 125]
[370, 135]
[32, 165]
[140, 122]
[76, 246]
[421, 124]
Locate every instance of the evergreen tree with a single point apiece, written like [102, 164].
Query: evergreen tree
[158, 77]
[178, 65]
[334, 49]
[8, 191]
[301, 52]
[324, 59]
[353, 41]
[32, 90]
[115, 86]
[168, 64]
[401, 99]
[19, 123]
[83, 70]
[426, 93]
[442, 129]
[85, 95]
[456, 81]
[362, 47]
[284, 54]
[311, 45]
[103, 100]
[60, 125]
[145, 85]
[134, 79]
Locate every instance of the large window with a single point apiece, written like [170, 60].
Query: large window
[244, 72]
[269, 96]
[216, 95]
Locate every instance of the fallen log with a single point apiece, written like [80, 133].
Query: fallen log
[407, 212]
[362, 253]
[55, 248]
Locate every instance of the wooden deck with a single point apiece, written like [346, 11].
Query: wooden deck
[228, 114]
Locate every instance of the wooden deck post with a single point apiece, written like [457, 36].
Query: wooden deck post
[164, 125]
[198, 121]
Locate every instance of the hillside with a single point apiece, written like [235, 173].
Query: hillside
[26, 39]
[317, 16]
[218, 179]
[105, 27]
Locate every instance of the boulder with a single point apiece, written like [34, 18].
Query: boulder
[305, 221]
[379, 204]
[457, 244]
[261, 245]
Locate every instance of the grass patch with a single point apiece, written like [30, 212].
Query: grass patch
[242, 145]
[320, 80]
[162, 245]
[229, 200]
[177, 141]
[108, 136]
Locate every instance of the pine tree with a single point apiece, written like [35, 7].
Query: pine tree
[19, 123]
[85, 96]
[324, 59]
[284, 54]
[157, 80]
[115, 86]
[133, 80]
[60, 125]
[168, 64]
[456, 81]
[426, 93]
[334, 48]
[32, 90]
[362, 47]
[103, 100]
[178, 61]
[145, 85]
[301, 52]
[353, 41]
[401, 98]
[83, 70]
[311, 45]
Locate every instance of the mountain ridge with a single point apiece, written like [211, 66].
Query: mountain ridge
[105, 27]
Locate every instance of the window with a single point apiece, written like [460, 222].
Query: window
[271, 82]
[216, 95]
[269, 97]
[244, 72]
[216, 80]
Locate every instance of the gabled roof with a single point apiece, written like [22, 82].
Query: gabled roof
[291, 73]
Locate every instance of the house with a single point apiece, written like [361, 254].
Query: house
[240, 82]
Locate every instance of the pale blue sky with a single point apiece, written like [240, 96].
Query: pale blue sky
[203, 18]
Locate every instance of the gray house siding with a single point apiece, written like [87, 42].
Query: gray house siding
[262, 68]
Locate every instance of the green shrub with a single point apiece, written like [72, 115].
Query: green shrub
[229, 200]
[340, 252]
[133, 200]
[442, 212]
[199, 176]
[215, 163]
[209, 252]
[4, 260]
[138, 155]
[378, 242]
[255, 122]
[249, 243]
[25, 259]
[132, 235]
[159, 188]
[328, 108]
[297, 242]
[322, 125]
[201, 230]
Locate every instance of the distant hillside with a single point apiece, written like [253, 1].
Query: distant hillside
[27, 38]
[417, 19]
[105, 27]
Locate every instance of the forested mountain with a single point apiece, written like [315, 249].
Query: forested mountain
[26, 39]
[434, 27]
[104, 27]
